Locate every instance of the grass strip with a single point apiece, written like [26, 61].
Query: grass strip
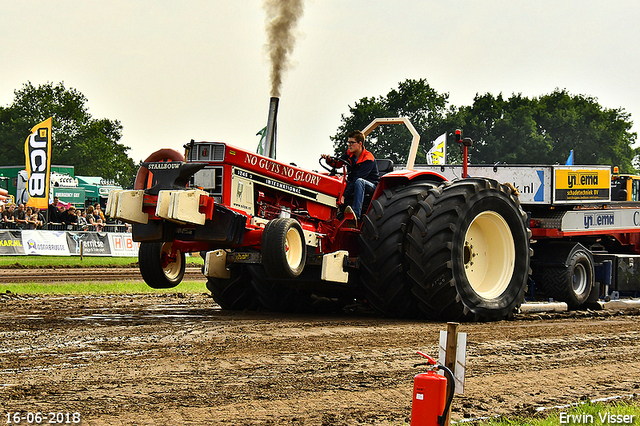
[8, 262]
[589, 413]
[93, 287]
[20, 262]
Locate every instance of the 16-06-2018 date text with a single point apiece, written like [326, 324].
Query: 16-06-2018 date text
[37, 418]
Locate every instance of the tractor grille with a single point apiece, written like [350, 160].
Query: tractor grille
[207, 152]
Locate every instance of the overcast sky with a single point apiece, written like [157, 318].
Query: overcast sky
[172, 71]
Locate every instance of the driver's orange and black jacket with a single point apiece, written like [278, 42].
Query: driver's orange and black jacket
[364, 167]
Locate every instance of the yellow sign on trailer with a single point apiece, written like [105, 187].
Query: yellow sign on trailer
[581, 183]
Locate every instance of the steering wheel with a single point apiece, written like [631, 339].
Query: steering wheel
[333, 170]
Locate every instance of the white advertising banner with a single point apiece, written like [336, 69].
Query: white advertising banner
[51, 243]
[67, 243]
[122, 244]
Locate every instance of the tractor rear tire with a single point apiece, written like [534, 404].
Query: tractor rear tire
[235, 293]
[284, 248]
[469, 251]
[382, 242]
[278, 295]
[157, 269]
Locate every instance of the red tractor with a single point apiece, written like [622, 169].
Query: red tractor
[272, 235]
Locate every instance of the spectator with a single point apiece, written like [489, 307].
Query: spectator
[53, 212]
[30, 224]
[38, 218]
[69, 217]
[99, 225]
[20, 217]
[7, 216]
[91, 219]
[97, 212]
[33, 220]
[81, 220]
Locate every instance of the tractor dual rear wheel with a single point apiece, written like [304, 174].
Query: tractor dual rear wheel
[278, 295]
[236, 292]
[382, 243]
[469, 251]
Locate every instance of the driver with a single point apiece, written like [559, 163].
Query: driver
[363, 176]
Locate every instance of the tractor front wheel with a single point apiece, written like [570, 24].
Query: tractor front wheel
[284, 249]
[159, 268]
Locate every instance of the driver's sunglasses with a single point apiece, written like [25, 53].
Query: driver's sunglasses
[352, 143]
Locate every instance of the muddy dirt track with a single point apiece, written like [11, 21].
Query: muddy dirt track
[179, 360]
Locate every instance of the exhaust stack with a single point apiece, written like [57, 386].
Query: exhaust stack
[270, 138]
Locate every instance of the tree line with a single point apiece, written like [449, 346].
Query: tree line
[516, 130]
[90, 145]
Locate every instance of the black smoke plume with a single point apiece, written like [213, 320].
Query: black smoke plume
[282, 18]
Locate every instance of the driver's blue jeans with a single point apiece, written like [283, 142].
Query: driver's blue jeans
[359, 189]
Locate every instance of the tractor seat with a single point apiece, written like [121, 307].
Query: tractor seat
[384, 165]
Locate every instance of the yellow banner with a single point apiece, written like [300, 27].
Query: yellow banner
[581, 184]
[37, 152]
[582, 179]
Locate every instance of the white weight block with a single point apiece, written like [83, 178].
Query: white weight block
[333, 267]
[215, 265]
[163, 202]
[129, 207]
[112, 201]
[185, 206]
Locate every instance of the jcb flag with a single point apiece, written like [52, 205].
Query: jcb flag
[37, 152]
[438, 153]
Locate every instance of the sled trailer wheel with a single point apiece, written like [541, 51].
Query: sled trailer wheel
[565, 272]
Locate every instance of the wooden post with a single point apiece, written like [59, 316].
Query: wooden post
[81, 250]
[450, 356]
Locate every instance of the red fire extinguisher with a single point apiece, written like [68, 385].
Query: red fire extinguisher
[430, 400]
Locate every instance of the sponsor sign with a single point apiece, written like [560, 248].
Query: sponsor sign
[10, 243]
[88, 243]
[52, 243]
[532, 182]
[67, 243]
[74, 196]
[37, 151]
[169, 165]
[584, 184]
[122, 244]
[601, 220]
